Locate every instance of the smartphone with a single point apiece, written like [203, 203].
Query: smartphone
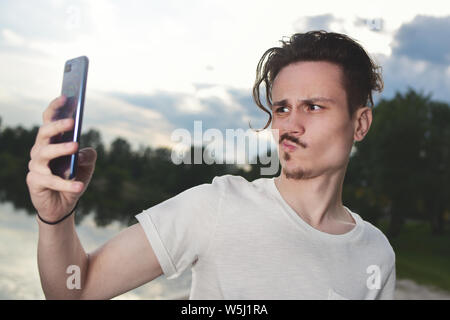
[74, 88]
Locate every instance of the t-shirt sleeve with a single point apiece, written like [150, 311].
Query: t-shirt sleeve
[181, 228]
[388, 289]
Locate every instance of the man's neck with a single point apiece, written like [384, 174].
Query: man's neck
[318, 200]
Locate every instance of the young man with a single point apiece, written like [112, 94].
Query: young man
[288, 237]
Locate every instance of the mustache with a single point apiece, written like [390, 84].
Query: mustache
[295, 140]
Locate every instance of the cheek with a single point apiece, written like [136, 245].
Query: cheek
[275, 122]
[336, 142]
[275, 129]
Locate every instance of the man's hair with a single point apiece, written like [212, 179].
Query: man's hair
[360, 73]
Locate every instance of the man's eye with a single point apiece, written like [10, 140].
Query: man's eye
[281, 109]
[314, 105]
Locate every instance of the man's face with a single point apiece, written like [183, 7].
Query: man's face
[320, 132]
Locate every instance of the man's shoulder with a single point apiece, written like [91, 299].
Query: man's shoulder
[378, 238]
[238, 182]
[231, 180]
[239, 187]
[230, 177]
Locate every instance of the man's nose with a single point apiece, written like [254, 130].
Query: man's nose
[295, 125]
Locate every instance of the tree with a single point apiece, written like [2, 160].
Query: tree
[402, 160]
[434, 181]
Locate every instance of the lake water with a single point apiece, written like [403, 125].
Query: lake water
[19, 276]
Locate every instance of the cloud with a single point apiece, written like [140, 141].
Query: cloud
[142, 86]
[318, 22]
[420, 58]
[19, 109]
[401, 72]
[425, 38]
[115, 117]
[218, 107]
[49, 21]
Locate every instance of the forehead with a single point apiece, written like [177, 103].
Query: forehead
[310, 78]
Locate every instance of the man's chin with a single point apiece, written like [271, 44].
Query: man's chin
[296, 173]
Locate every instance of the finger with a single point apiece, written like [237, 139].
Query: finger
[87, 156]
[50, 111]
[33, 166]
[39, 182]
[52, 151]
[86, 164]
[52, 129]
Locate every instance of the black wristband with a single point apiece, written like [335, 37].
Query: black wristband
[56, 222]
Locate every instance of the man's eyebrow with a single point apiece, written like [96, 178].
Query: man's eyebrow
[284, 102]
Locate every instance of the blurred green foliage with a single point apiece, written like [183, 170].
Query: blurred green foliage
[421, 255]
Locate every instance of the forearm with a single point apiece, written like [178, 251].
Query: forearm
[59, 248]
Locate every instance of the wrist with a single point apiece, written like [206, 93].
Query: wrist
[59, 220]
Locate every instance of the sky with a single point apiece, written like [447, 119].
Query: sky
[156, 66]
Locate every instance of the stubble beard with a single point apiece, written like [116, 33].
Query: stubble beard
[296, 173]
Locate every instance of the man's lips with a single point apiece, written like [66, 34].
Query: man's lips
[291, 143]
[288, 146]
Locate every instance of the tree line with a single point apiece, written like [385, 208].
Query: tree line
[399, 171]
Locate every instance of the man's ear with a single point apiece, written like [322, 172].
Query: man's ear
[362, 120]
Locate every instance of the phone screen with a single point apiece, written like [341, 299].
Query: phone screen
[74, 88]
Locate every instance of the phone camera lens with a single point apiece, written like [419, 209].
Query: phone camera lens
[68, 68]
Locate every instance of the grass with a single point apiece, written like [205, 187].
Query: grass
[421, 256]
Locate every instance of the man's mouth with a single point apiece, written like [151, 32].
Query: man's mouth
[288, 146]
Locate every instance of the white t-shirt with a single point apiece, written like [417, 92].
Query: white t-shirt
[243, 241]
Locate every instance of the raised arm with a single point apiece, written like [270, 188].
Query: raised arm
[123, 263]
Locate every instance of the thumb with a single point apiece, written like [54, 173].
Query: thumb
[87, 158]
